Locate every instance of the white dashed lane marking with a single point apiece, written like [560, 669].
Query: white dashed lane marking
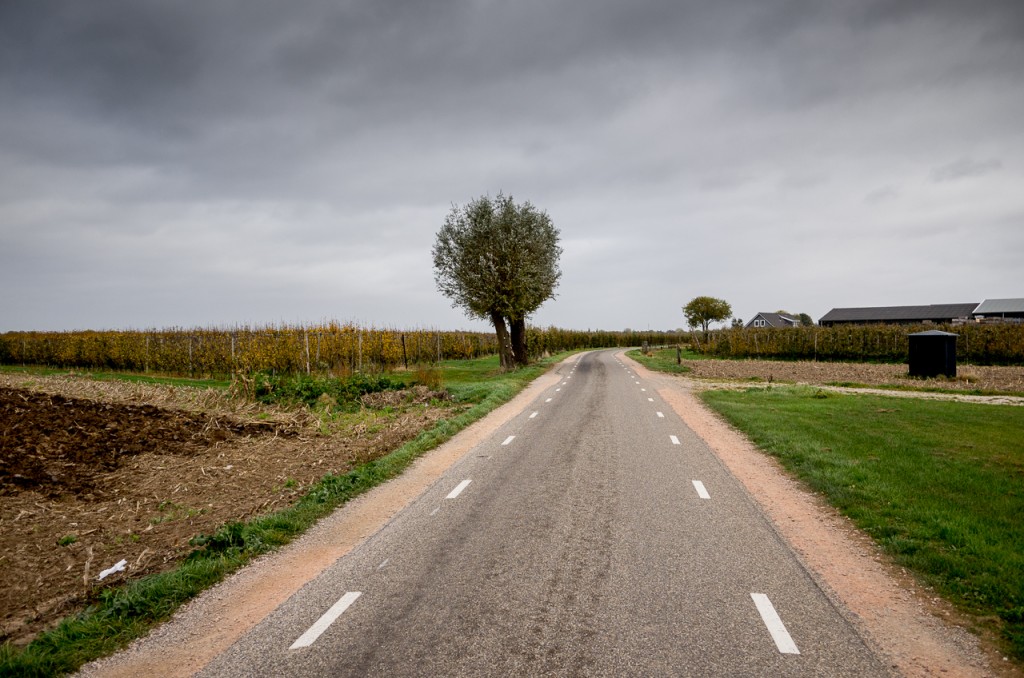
[458, 489]
[321, 624]
[776, 628]
[533, 415]
[661, 415]
[510, 438]
[675, 440]
[701, 490]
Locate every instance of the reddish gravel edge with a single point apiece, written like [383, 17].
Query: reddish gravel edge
[915, 630]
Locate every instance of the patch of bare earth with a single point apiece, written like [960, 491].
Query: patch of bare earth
[92, 473]
[989, 379]
[906, 622]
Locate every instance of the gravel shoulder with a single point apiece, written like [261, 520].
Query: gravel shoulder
[918, 632]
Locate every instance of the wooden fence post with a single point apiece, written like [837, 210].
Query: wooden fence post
[305, 337]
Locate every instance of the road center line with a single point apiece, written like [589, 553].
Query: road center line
[675, 441]
[548, 400]
[661, 415]
[702, 491]
[510, 438]
[321, 624]
[650, 400]
[533, 415]
[771, 619]
[458, 489]
[381, 566]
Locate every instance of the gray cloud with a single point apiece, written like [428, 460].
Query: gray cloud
[965, 168]
[261, 161]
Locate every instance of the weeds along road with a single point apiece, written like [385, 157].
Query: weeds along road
[595, 535]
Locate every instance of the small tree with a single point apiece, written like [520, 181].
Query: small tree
[702, 311]
[806, 320]
[498, 260]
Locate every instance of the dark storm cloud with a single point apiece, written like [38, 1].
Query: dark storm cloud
[300, 148]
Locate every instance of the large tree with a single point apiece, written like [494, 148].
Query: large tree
[702, 311]
[498, 260]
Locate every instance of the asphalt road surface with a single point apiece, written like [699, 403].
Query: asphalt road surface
[592, 535]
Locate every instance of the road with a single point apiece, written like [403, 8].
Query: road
[594, 535]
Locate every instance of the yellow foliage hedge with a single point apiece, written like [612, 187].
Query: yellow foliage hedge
[331, 347]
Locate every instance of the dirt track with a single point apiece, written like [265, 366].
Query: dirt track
[969, 377]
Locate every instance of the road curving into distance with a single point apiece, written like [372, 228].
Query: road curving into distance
[593, 534]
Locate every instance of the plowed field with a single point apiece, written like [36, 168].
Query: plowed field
[94, 473]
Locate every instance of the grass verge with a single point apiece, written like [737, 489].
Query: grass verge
[663, 360]
[938, 485]
[126, 613]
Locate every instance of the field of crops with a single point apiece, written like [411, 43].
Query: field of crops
[997, 344]
[332, 347]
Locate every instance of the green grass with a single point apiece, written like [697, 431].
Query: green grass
[663, 359]
[939, 485]
[122, 614]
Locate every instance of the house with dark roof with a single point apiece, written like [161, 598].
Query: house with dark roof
[773, 320]
[1000, 309]
[899, 315]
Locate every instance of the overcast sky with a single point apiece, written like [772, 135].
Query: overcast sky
[221, 162]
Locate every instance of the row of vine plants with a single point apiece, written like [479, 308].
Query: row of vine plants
[286, 349]
[979, 344]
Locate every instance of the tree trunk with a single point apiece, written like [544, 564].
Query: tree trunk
[504, 347]
[519, 342]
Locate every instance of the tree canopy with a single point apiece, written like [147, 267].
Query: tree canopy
[498, 260]
[702, 311]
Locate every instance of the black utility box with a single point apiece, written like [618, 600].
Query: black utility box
[932, 353]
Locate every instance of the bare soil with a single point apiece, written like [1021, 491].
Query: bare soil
[92, 473]
[148, 503]
[970, 378]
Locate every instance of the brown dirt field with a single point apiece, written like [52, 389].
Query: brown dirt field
[969, 377]
[95, 472]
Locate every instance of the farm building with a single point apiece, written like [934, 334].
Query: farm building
[1000, 309]
[773, 320]
[899, 315]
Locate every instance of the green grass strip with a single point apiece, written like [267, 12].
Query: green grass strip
[129, 612]
[939, 485]
[663, 360]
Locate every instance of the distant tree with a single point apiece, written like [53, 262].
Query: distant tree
[498, 260]
[702, 311]
[737, 323]
[806, 320]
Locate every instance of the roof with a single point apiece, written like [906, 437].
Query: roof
[933, 333]
[777, 319]
[899, 313]
[993, 306]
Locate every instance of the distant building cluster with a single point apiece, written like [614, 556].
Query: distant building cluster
[988, 311]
